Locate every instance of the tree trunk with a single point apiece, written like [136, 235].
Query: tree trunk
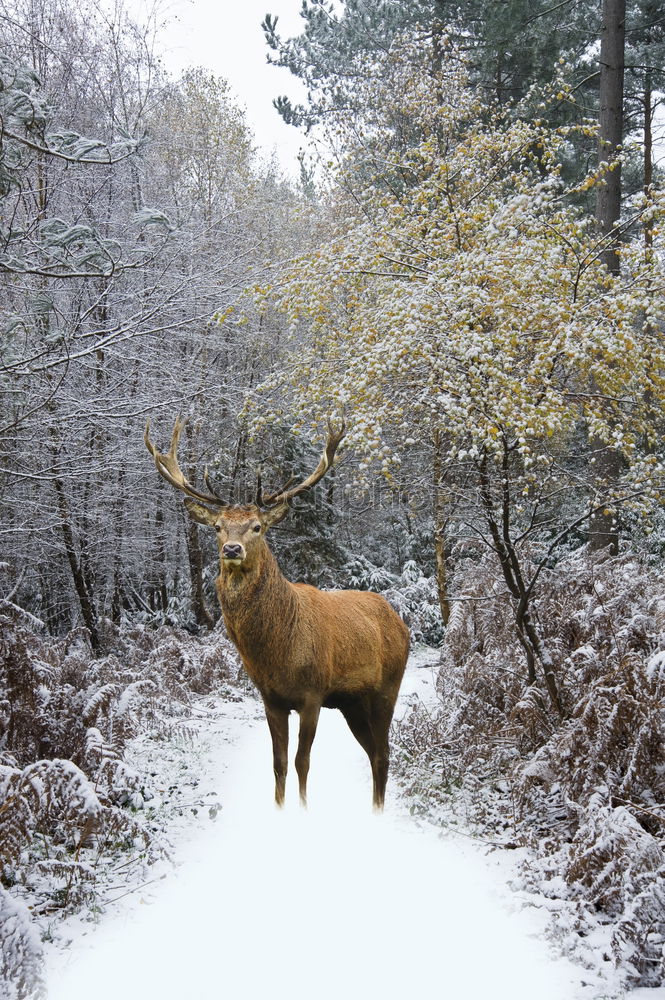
[81, 584]
[648, 145]
[118, 526]
[195, 559]
[534, 648]
[160, 559]
[440, 530]
[195, 556]
[612, 57]
[603, 527]
[441, 570]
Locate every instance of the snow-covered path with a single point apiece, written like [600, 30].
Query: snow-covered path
[334, 902]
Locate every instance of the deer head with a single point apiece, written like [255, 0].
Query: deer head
[240, 529]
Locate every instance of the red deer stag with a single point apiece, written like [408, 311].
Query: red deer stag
[305, 649]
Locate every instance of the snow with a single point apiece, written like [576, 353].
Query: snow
[334, 901]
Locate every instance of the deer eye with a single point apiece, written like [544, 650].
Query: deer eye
[218, 527]
[257, 528]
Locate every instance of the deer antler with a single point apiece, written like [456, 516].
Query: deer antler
[326, 460]
[168, 468]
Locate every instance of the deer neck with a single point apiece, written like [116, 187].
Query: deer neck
[260, 609]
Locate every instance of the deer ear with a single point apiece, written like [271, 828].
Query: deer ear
[275, 514]
[199, 513]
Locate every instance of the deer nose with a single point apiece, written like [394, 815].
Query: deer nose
[232, 550]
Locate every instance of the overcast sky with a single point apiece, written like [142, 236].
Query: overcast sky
[226, 37]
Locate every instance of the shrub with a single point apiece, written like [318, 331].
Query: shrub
[413, 595]
[584, 791]
[65, 720]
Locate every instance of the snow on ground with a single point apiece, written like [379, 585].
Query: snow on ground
[330, 902]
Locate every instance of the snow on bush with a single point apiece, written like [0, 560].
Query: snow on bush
[413, 595]
[66, 717]
[585, 791]
[20, 952]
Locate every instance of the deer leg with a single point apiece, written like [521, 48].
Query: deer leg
[380, 776]
[380, 718]
[278, 722]
[358, 720]
[309, 717]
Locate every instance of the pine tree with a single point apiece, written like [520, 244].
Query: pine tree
[507, 47]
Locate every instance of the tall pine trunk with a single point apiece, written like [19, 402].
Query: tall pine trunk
[603, 528]
[610, 139]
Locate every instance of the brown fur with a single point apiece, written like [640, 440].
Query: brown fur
[305, 648]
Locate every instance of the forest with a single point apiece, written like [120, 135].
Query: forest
[469, 268]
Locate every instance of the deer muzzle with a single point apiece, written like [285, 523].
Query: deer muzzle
[233, 552]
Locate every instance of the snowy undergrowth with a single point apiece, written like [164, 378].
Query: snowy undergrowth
[413, 595]
[333, 901]
[579, 801]
[568, 811]
[97, 757]
[185, 803]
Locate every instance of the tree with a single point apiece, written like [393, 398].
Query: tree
[610, 136]
[603, 525]
[49, 249]
[471, 308]
[511, 52]
[644, 80]
[117, 270]
[506, 47]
